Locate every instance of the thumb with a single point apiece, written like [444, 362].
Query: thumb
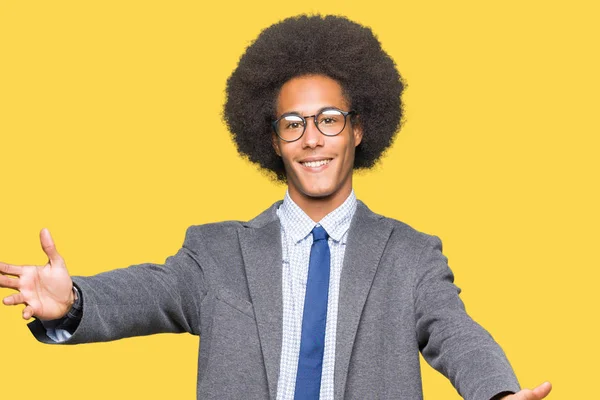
[538, 393]
[49, 247]
[543, 390]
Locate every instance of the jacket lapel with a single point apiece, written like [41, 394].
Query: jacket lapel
[260, 242]
[367, 239]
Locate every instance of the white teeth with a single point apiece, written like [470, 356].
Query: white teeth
[315, 164]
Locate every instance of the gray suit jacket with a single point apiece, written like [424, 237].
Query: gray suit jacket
[396, 297]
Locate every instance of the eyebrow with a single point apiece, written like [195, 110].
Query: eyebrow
[295, 112]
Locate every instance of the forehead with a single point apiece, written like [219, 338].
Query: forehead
[310, 93]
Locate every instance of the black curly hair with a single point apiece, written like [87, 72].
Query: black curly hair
[329, 45]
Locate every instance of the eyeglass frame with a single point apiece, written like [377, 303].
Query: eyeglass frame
[314, 117]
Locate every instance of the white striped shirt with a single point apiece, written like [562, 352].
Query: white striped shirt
[296, 241]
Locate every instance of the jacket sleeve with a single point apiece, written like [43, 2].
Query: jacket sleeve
[140, 300]
[449, 339]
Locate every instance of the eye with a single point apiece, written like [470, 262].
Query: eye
[330, 117]
[291, 122]
[293, 125]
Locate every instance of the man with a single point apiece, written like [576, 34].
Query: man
[317, 297]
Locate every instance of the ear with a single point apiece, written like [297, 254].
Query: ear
[275, 144]
[357, 132]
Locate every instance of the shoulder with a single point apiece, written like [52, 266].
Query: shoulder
[403, 237]
[223, 232]
[217, 229]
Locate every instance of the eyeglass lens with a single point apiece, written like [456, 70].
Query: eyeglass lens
[329, 122]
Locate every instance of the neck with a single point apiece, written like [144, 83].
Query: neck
[318, 207]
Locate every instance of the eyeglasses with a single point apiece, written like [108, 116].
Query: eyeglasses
[329, 121]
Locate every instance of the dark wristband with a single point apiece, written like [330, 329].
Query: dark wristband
[70, 322]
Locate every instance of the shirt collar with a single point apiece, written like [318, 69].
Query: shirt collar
[298, 225]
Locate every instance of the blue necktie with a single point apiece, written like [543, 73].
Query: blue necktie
[314, 318]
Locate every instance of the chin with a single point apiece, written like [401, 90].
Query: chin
[321, 187]
[318, 191]
[317, 194]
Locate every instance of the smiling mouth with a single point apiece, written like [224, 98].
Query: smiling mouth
[316, 164]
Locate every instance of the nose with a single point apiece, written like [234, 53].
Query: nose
[312, 137]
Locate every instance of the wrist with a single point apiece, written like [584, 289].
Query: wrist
[71, 321]
[502, 396]
[73, 295]
[72, 309]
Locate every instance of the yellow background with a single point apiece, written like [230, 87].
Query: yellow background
[111, 136]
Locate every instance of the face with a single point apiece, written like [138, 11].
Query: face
[317, 167]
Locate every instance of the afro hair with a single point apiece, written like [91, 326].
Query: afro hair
[303, 45]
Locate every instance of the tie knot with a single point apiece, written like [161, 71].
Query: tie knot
[319, 233]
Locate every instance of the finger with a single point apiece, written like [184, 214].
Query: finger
[543, 390]
[10, 269]
[49, 247]
[7, 282]
[27, 313]
[14, 299]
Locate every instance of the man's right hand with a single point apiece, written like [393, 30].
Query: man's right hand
[46, 291]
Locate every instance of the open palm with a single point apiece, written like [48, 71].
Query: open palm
[45, 291]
